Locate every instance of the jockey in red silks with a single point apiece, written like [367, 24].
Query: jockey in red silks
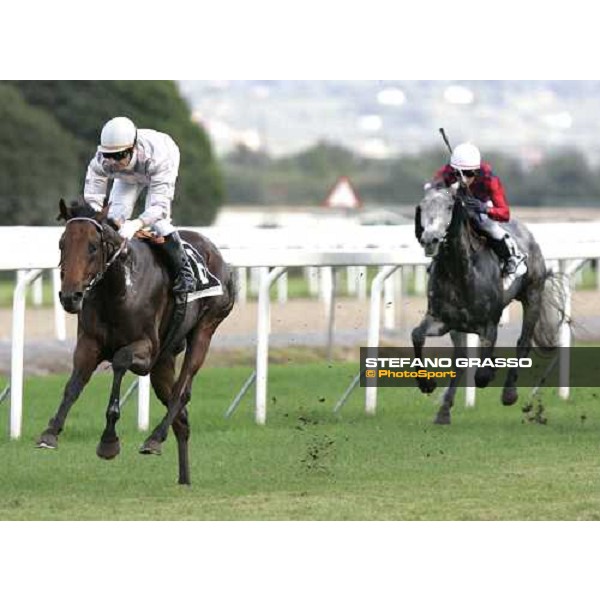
[138, 160]
[487, 205]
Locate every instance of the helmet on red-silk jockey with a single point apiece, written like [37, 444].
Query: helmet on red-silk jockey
[466, 157]
[117, 134]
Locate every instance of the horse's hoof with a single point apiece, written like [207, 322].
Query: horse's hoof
[484, 376]
[108, 450]
[509, 396]
[151, 446]
[427, 386]
[441, 419]
[48, 441]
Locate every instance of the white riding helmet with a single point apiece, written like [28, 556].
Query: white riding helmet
[117, 134]
[466, 157]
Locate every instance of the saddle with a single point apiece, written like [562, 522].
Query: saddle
[145, 235]
[196, 260]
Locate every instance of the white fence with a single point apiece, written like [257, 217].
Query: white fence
[33, 249]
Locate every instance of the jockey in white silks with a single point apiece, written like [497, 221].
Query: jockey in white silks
[139, 159]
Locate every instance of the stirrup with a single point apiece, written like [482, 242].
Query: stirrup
[515, 265]
[210, 289]
[509, 278]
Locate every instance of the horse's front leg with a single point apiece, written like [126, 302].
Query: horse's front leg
[443, 415]
[487, 339]
[138, 356]
[429, 327]
[85, 360]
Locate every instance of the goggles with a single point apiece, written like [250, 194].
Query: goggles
[469, 173]
[116, 156]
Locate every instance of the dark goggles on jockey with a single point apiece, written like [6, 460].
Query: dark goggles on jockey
[116, 156]
[466, 173]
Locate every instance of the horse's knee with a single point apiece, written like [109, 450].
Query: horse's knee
[137, 357]
[122, 359]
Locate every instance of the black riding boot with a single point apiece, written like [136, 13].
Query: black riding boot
[511, 257]
[179, 265]
[509, 253]
[501, 250]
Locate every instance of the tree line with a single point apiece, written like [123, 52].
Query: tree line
[560, 178]
[49, 130]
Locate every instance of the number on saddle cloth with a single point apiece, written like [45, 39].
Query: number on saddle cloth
[201, 272]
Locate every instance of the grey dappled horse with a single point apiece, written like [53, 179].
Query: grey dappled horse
[465, 293]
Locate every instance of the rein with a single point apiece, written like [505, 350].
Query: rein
[107, 263]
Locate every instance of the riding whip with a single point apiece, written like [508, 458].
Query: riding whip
[463, 179]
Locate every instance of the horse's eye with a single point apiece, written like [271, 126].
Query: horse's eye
[92, 248]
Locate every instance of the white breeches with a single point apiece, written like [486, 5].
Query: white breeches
[123, 197]
[489, 226]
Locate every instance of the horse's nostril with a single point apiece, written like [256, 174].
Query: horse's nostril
[435, 240]
[77, 295]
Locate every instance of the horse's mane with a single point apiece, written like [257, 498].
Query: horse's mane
[461, 224]
[79, 208]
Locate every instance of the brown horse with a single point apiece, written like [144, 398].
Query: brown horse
[122, 296]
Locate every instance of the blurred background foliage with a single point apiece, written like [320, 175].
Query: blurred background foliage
[49, 131]
[563, 178]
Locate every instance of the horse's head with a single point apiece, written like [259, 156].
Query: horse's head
[85, 244]
[432, 219]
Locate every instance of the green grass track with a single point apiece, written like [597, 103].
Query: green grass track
[307, 463]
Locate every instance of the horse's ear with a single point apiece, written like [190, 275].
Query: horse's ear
[102, 214]
[418, 225]
[63, 214]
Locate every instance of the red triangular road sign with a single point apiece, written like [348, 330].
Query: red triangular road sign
[343, 195]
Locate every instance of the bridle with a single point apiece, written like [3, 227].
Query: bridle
[419, 227]
[107, 261]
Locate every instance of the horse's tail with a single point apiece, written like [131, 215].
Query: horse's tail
[552, 311]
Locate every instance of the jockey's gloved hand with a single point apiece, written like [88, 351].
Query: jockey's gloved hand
[95, 204]
[475, 205]
[130, 228]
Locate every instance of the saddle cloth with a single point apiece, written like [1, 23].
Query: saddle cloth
[202, 274]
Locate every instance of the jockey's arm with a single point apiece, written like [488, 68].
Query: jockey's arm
[500, 211]
[160, 195]
[159, 207]
[96, 184]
